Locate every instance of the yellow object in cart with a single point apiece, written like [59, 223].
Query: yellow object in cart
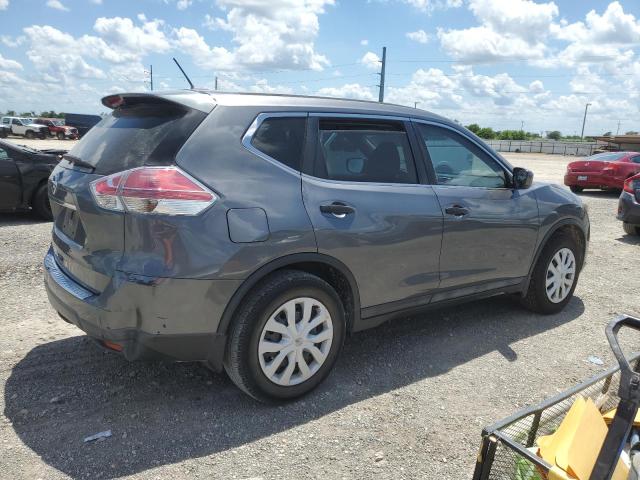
[574, 447]
[608, 417]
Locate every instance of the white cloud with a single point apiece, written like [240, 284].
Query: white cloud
[364, 42]
[183, 4]
[12, 42]
[279, 34]
[9, 64]
[350, 90]
[509, 30]
[96, 2]
[140, 40]
[419, 36]
[57, 4]
[371, 61]
[536, 87]
[4, 4]
[262, 86]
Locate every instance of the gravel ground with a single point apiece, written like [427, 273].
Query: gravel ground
[407, 400]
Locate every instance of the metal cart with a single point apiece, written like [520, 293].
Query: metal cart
[508, 452]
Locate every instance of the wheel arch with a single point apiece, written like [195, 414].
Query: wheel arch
[570, 226]
[333, 271]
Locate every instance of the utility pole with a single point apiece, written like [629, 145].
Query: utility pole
[618, 129]
[151, 76]
[382, 72]
[216, 84]
[415, 104]
[584, 120]
[522, 125]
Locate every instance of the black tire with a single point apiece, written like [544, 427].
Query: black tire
[60, 135]
[29, 134]
[576, 188]
[630, 229]
[42, 135]
[40, 203]
[241, 359]
[536, 298]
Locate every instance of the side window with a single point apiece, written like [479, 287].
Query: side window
[15, 121]
[6, 121]
[282, 138]
[636, 159]
[3, 155]
[457, 161]
[364, 151]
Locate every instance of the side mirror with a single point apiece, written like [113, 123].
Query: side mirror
[522, 178]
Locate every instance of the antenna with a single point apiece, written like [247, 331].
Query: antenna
[185, 75]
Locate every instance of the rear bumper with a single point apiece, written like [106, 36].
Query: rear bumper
[628, 209]
[594, 180]
[175, 319]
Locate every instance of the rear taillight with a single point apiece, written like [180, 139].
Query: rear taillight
[152, 190]
[630, 184]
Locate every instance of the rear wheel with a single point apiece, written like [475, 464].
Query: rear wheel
[630, 229]
[29, 134]
[60, 136]
[286, 337]
[40, 203]
[554, 277]
[576, 188]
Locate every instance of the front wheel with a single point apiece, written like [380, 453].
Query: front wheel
[29, 134]
[286, 337]
[60, 136]
[630, 229]
[554, 277]
[576, 188]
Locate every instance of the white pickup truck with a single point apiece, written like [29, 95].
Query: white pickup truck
[25, 127]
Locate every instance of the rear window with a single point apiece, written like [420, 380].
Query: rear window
[608, 157]
[281, 138]
[137, 135]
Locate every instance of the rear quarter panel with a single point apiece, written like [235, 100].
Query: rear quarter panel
[200, 247]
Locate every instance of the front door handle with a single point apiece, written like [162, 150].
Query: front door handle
[457, 210]
[337, 209]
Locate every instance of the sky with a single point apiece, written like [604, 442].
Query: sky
[497, 63]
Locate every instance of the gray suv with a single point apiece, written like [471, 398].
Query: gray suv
[254, 232]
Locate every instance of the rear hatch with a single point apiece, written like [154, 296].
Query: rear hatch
[143, 130]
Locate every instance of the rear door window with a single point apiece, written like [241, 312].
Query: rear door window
[282, 139]
[137, 135]
[364, 151]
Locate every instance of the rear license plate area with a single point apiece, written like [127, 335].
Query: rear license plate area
[582, 178]
[68, 222]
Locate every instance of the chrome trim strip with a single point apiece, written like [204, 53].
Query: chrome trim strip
[63, 280]
[248, 136]
[461, 133]
[363, 116]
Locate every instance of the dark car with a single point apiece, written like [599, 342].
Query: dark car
[23, 178]
[629, 206]
[5, 131]
[603, 171]
[254, 232]
[81, 122]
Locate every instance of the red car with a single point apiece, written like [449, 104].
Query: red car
[604, 171]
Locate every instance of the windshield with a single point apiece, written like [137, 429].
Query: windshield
[608, 157]
[58, 123]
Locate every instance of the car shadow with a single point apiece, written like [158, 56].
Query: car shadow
[629, 239]
[22, 218]
[163, 413]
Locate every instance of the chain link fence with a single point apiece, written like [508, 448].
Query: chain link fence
[578, 149]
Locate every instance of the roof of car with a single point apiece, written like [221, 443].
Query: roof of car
[199, 98]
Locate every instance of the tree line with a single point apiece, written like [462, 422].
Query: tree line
[49, 114]
[489, 133]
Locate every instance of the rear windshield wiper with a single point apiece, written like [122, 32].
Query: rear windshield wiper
[78, 162]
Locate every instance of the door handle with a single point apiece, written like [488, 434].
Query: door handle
[457, 210]
[337, 209]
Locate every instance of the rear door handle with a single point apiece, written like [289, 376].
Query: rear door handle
[337, 209]
[457, 211]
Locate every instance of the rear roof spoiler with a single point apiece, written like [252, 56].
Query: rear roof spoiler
[187, 98]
